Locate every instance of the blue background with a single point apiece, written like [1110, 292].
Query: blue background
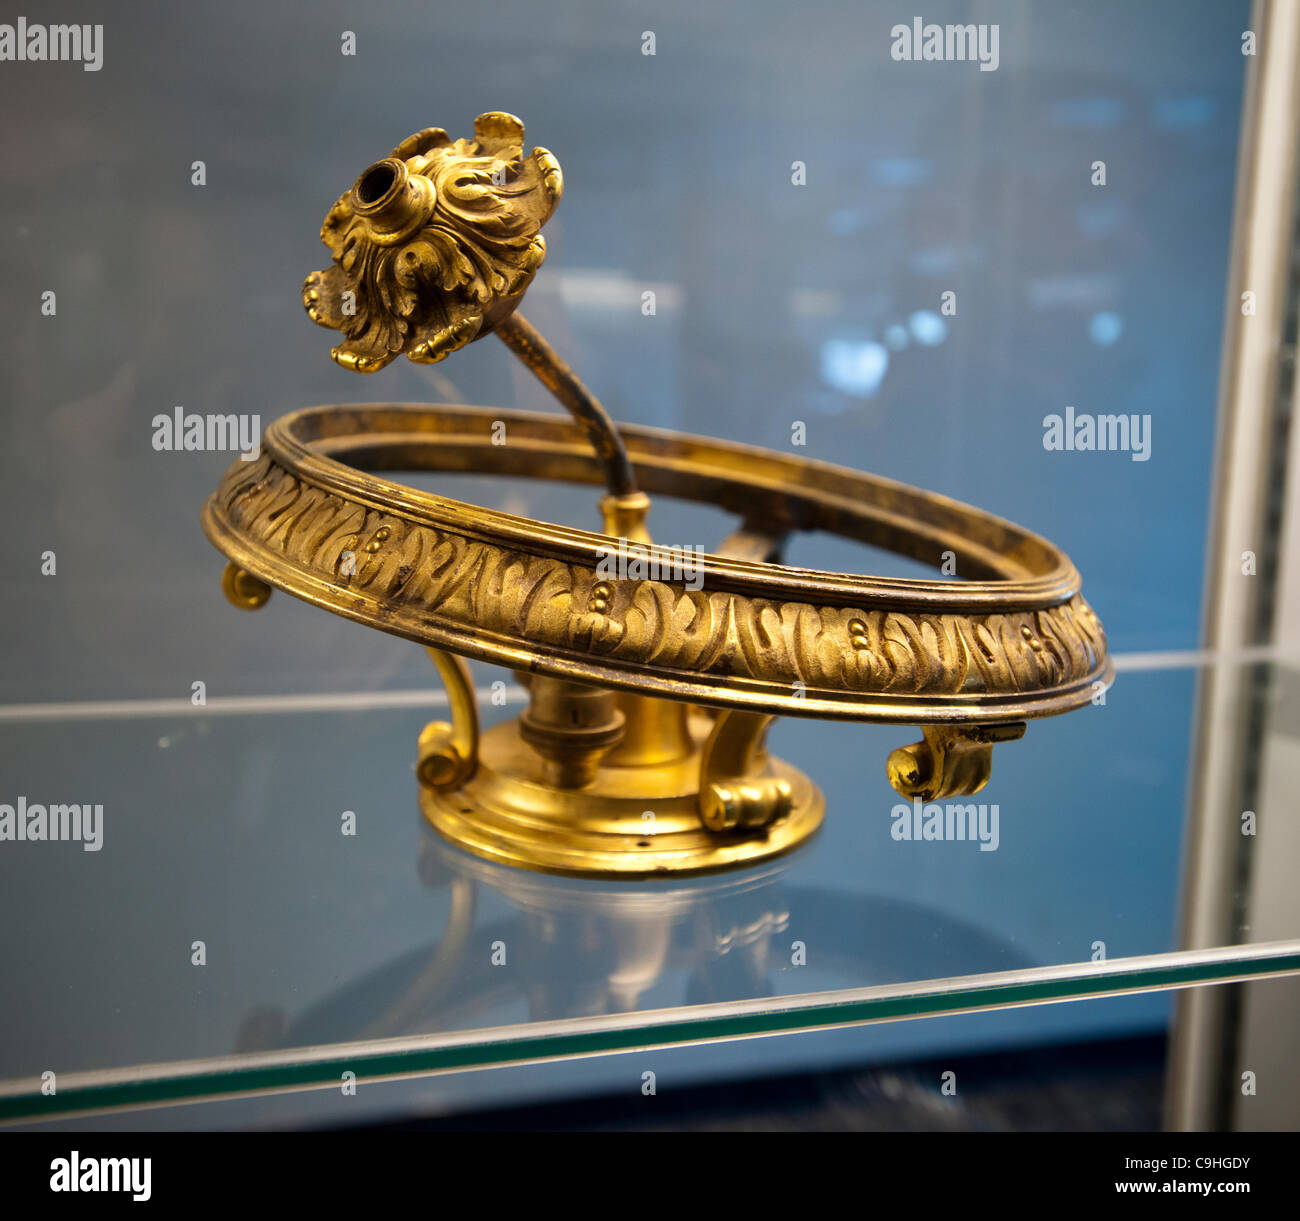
[776, 303]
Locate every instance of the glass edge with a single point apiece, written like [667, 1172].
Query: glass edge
[306, 1068]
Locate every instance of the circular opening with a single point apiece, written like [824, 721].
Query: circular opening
[1016, 569]
[376, 182]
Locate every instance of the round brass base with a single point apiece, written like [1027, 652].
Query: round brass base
[631, 821]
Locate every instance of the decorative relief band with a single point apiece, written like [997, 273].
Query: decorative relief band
[417, 572]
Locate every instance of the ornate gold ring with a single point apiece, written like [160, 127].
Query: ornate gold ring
[653, 673]
[307, 516]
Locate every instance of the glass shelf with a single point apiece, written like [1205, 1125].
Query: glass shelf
[382, 1059]
[388, 953]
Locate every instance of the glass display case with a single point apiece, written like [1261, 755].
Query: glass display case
[1048, 270]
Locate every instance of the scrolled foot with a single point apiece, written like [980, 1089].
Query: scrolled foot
[441, 765]
[950, 761]
[244, 590]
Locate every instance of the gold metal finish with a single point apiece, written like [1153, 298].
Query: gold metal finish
[311, 517]
[642, 748]
[572, 727]
[433, 248]
[244, 590]
[524, 341]
[735, 792]
[952, 761]
[636, 820]
[448, 754]
[434, 245]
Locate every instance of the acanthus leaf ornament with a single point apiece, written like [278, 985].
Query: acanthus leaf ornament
[434, 245]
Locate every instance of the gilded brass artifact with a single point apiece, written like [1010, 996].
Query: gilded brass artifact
[642, 750]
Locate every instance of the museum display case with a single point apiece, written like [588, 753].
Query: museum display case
[680, 663]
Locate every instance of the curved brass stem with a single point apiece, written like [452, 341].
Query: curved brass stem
[524, 340]
[736, 747]
[448, 754]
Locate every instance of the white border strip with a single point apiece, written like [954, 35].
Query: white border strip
[244, 705]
